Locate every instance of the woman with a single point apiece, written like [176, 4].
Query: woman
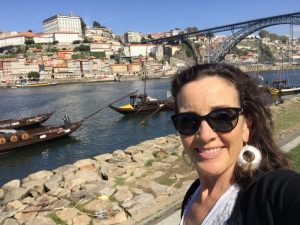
[225, 128]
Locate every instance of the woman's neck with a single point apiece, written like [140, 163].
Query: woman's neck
[215, 186]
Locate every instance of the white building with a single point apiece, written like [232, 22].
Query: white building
[43, 38]
[136, 50]
[132, 37]
[16, 40]
[63, 23]
[21, 37]
[66, 37]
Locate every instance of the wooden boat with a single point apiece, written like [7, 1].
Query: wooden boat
[143, 103]
[14, 139]
[25, 122]
[139, 103]
[33, 84]
[273, 91]
[289, 91]
[280, 88]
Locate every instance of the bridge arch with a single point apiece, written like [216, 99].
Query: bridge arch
[219, 54]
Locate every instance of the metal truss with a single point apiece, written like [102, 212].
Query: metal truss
[244, 29]
[230, 27]
[219, 54]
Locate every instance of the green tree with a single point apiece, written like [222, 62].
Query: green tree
[191, 29]
[263, 34]
[29, 41]
[83, 25]
[239, 52]
[96, 24]
[187, 49]
[34, 75]
[82, 48]
[20, 49]
[143, 39]
[39, 46]
[76, 42]
[265, 53]
[86, 40]
[52, 49]
[98, 55]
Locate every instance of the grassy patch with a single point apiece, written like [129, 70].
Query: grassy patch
[285, 116]
[120, 181]
[295, 156]
[174, 154]
[56, 219]
[166, 181]
[286, 119]
[149, 163]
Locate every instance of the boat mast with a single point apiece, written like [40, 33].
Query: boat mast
[145, 70]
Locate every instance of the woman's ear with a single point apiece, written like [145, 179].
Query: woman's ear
[246, 129]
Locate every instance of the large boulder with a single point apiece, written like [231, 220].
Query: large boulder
[87, 164]
[135, 204]
[53, 182]
[15, 194]
[12, 184]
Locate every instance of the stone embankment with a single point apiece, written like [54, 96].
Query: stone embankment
[123, 187]
[268, 67]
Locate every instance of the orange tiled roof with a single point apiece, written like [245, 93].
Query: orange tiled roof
[28, 34]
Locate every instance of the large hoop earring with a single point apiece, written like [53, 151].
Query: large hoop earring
[254, 157]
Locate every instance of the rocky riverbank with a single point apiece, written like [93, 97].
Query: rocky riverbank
[131, 186]
[124, 187]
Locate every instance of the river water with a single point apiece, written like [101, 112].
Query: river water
[103, 133]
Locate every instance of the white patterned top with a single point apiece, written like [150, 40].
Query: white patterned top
[220, 212]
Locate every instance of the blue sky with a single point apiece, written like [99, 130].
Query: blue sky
[145, 16]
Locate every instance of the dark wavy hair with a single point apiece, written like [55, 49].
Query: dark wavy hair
[254, 110]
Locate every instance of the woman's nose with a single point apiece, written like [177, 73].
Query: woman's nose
[205, 132]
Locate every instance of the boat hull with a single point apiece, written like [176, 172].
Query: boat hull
[39, 135]
[289, 91]
[34, 85]
[145, 108]
[25, 122]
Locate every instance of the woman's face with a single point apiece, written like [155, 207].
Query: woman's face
[213, 153]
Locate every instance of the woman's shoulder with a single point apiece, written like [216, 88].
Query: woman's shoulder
[191, 190]
[276, 177]
[277, 190]
[274, 186]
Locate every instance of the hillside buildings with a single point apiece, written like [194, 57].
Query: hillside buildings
[65, 51]
[61, 23]
[132, 37]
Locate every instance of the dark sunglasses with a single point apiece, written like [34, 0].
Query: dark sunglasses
[220, 120]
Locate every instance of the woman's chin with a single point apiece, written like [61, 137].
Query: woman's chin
[209, 169]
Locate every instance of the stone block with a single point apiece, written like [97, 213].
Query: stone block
[12, 184]
[103, 157]
[41, 221]
[15, 194]
[53, 182]
[67, 214]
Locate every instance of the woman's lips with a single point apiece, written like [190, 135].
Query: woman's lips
[208, 153]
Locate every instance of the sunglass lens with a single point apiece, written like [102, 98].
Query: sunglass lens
[185, 123]
[223, 120]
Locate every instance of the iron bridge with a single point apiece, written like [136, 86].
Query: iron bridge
[239, 32]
